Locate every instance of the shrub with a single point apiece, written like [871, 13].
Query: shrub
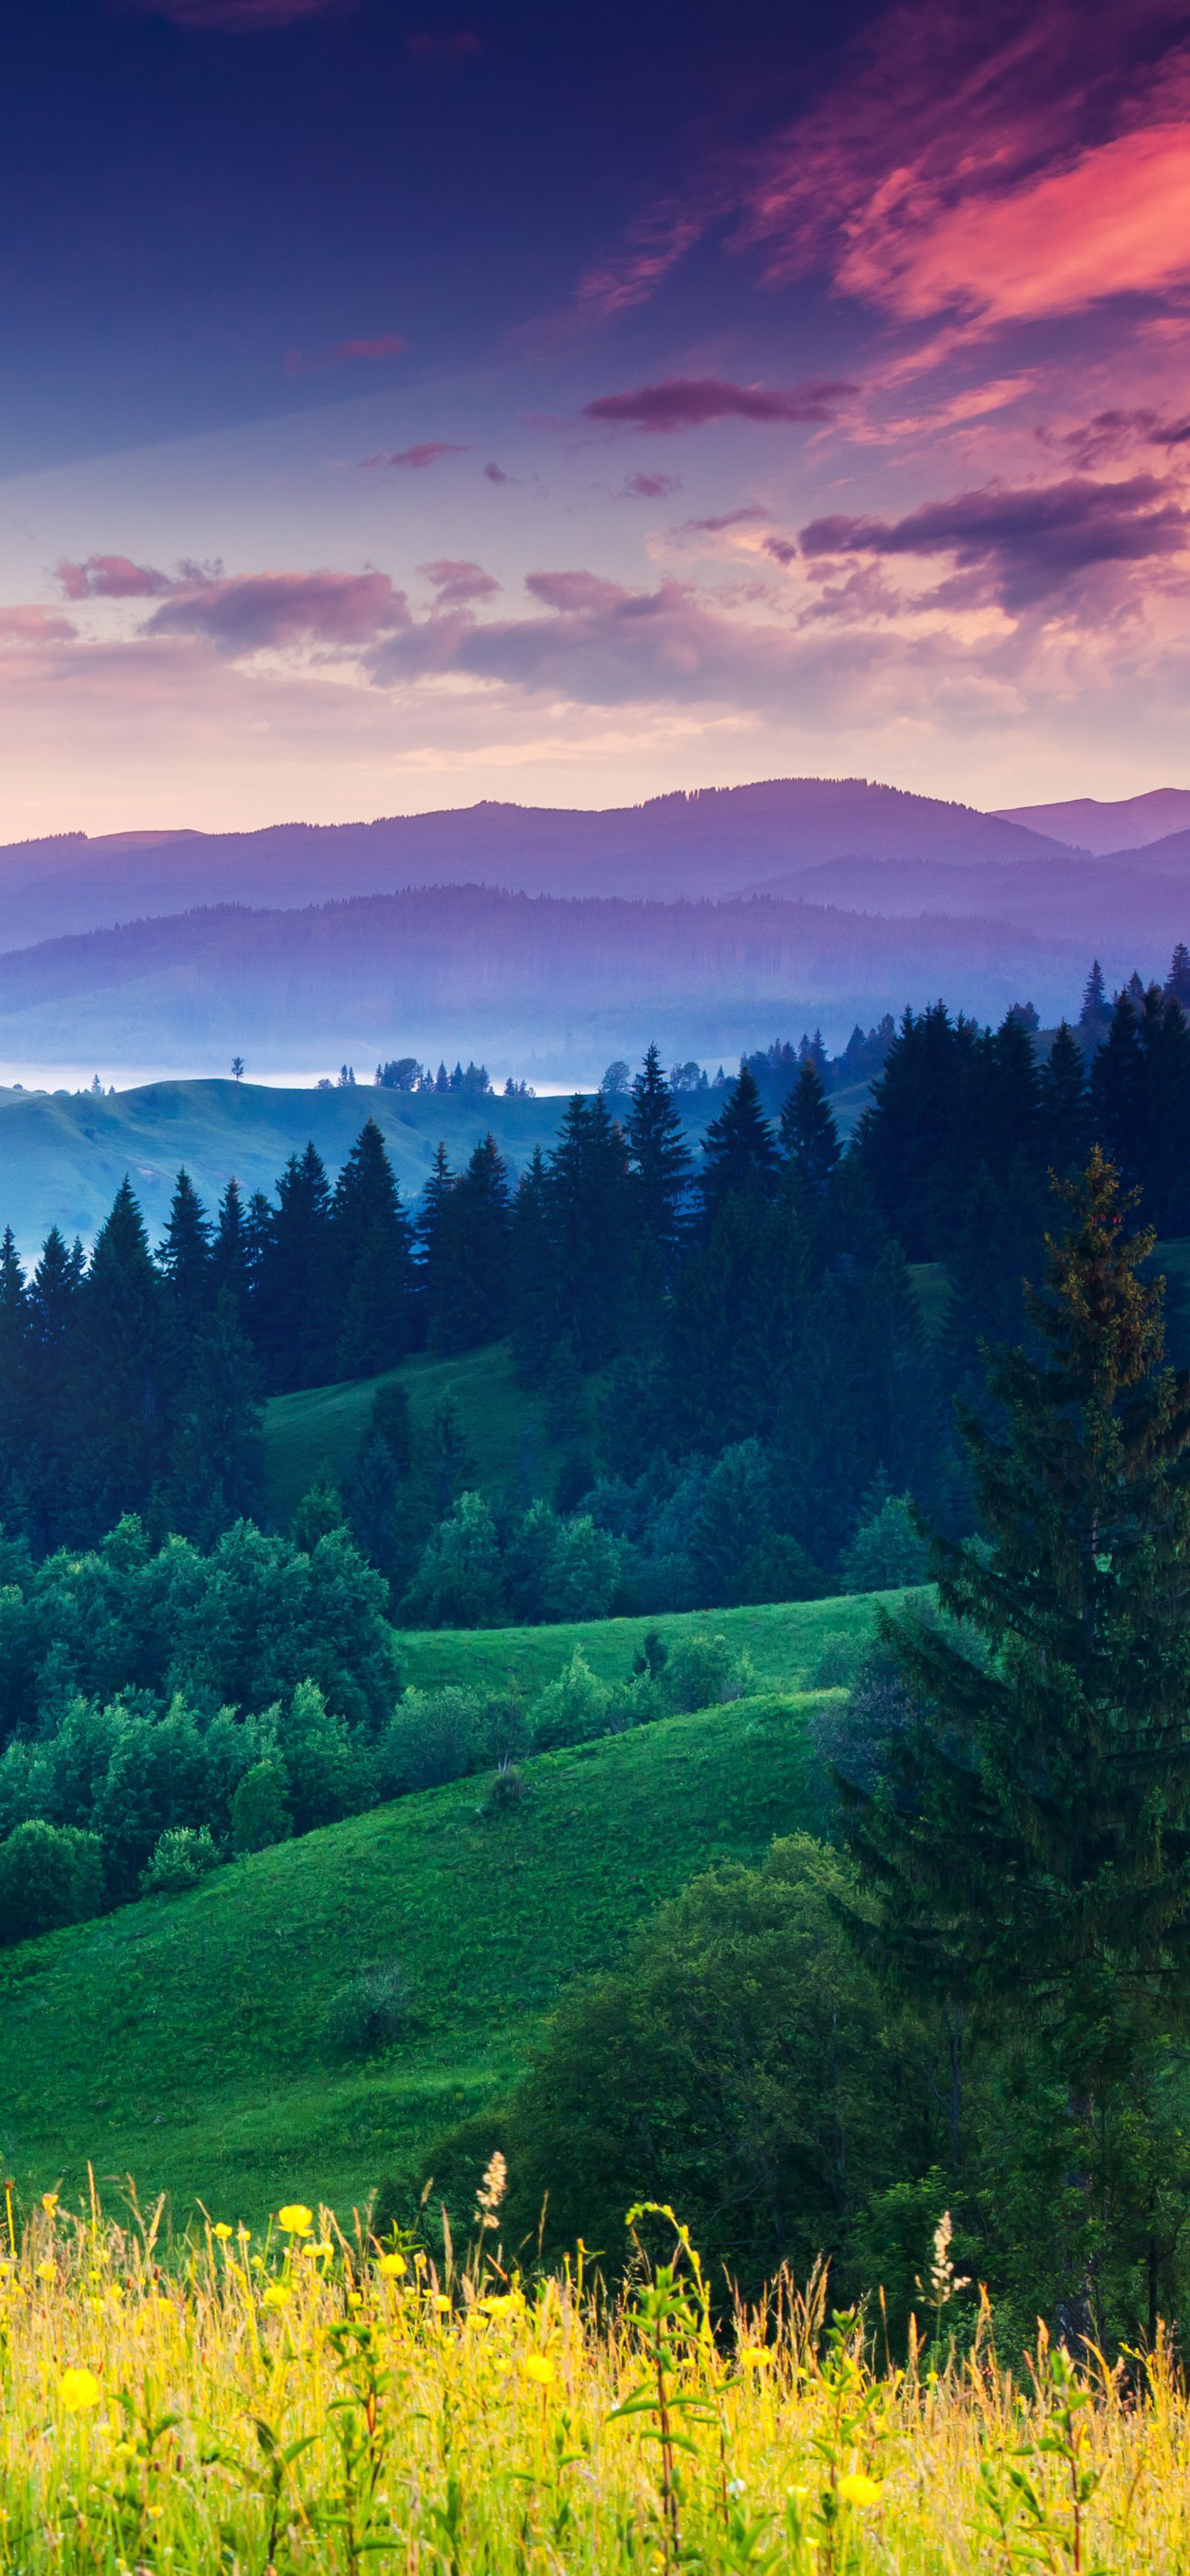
[49, 1874]
[430, 1738]
[839, 1658]
[573, 1708]
[459, 1583]
[886, 1551]
[180, 1858]
[506, 1792]
[703, 1671]
[260, 1808]
[369, 2012]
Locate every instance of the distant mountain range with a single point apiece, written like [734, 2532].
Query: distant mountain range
[552, 939]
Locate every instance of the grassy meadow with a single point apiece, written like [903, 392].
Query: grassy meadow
[307, 2400]
[190, 2040]
[312, 1437]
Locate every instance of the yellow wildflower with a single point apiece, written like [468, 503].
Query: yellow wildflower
[392, 2266]
[538, 2367]
[47, 2271]
[295, 2218]
[77, 2390]
[754, 2356]
[858, 2489]
[222, 2230]
[276, 2294]
[49, 2202]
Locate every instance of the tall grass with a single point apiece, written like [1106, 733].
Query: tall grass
[304, 2400]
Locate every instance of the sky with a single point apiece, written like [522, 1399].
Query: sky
[405, 405]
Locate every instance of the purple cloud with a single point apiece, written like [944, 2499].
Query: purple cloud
[256, 611]
[1112, 433]
[111, 577]
[724, 519]
[651, 487]
[35, 626]
[1029, 542]
[782, 549]
[242, 17]
[456, 583]
[689, 402]
[496, 474]
[427, 452]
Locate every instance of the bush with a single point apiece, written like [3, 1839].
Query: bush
[369, 2012]
[506, 1793]
[581, 1572]
[180, 1858]
[886, 1551]
[459, 1582]
[260, 1808]
[703, 1671]
[430, 1738]
[743, 2065]
[49, 1875]
[840, 1656]
[573, 1708]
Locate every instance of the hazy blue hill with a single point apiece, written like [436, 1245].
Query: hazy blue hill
[63, 1155]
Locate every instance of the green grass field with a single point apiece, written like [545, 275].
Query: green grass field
[786, 1641]
[185, 2039]
[311, 1437]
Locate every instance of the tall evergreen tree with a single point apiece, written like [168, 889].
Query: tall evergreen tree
[1065, 1109]
[184, 1256]
[296, 1297]
[471, 1303]
[532, 1273]
[1032, 1839]
[740, 1158]
[432, 1243]
[124, 1379]
[231, 1252]
[373, 1260]
[808, 1132]
[658, 1156]
[216, 1465]
[589, 1217]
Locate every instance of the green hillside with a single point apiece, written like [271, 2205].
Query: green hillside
[793, 1645]
[184, 2039]
[63, 1154]
[311, 1437]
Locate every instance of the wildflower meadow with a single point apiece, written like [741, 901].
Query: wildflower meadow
[311, 2398]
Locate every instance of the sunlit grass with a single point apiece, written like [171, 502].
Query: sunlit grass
[302, 2397]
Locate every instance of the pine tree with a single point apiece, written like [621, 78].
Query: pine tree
[739, 1152]
[1065, 1109]
[808, 1132]
[470, 1303]
[532, 1275]
[184, 1257]
[1032, 1841]
[1096, 1009]
[216, 1465]
[231, 1252]
[658, 1155]
[124, 1378]
[373, 1246]
[1178, 986]
[587, 1200]
[432, 1251]
[17, 1464]
[295, 1300]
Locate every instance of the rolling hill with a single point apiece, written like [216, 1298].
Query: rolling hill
[188, 2040]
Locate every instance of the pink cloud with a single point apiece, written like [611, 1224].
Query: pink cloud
[255, 611]
[1113, 433]
[111, 577]
[427, 452]
[457, 583]
[688, 402]
[655, 245]
[35, 626]
[1014, 162]
[575, 592]
[724, 519]
[1028, 543]
[651, 487]
[386, 345]
[242, 17]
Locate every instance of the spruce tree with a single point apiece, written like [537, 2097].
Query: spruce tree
[658, 1155]
[184, 1257]
[808, 1132]
[1031, 1839]
[470, 1304]
[532, 1275]
[373, 1248]
[297, 1294]
[231, 1252]
[124, 1378]
[17, 1467]
[1065, 1109]
[739, 1152]
[216, 1464]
